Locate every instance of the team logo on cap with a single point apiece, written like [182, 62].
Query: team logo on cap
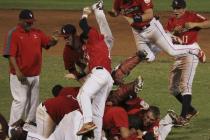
[30, 15]
[63, 31]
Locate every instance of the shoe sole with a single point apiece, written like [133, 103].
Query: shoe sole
[88, 130]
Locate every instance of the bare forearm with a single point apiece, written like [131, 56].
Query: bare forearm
[203, 25]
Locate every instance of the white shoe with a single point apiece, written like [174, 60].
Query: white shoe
[98, 5]
[139, 82]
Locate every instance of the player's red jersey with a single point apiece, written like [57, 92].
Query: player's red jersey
[96, 51]
[64, 103]
[114, 118]
[135, 7]
[72, 57]
[187, 36]
[26, 47]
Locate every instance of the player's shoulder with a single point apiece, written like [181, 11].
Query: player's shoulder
[195, 14]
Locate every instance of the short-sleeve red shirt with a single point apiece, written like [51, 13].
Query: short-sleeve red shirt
[114, 118]
[26, 47]
[64, 103]
[188, 36]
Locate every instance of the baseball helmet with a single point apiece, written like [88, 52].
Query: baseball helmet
[26, 15]
[68, 29]
[178, 4]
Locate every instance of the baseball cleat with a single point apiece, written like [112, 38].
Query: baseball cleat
[181, 122]
[98, 5]
[87, 127]
[138, 86]
[201, 56]
[142, 55]
[173, 115]
[192, 114]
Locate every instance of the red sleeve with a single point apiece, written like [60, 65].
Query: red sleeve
[120, 118]
[198, 18]
[10, 45]
[146, 4]
[44, 39]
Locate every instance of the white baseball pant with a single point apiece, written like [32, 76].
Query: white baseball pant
[66, 130]
[45, 124]
[96, 89]
[165, 126]
[156, 35]
[25, 98]
[182, 74]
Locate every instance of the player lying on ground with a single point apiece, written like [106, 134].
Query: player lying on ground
[52, 111]
[142, 124]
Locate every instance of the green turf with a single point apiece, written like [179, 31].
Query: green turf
[155, 91]
[201, 5]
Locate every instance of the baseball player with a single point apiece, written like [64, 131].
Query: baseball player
[73, 54]
[51, 112]
[148, 31]
[184, 26]
[98, 84]
[23, 48]
[59, 110]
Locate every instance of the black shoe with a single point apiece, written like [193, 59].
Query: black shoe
[142, 55]
[18, 134]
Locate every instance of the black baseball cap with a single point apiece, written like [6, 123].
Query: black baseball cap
[68, 29]
[27, 15]
[178, 4]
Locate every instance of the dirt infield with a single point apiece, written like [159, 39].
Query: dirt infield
[49, 21]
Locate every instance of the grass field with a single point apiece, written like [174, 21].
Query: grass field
[162, 5]
[155, 91]
[155, 74]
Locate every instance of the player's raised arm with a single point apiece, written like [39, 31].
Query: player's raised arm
[83, 22]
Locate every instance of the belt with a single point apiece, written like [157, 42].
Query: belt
[99, 68]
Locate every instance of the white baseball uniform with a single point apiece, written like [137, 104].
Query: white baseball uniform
[66, 130]
[26, 98]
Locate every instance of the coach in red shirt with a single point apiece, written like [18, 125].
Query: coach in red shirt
[23, 48]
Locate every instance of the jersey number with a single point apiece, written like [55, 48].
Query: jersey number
[185, 39]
